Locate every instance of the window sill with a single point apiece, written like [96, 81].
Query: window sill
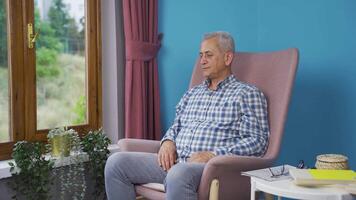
[5, 167]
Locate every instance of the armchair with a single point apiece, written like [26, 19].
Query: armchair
[273, 73]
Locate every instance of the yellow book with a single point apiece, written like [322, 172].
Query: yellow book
[322, 176]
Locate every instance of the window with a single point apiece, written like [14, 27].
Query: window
[49, 79]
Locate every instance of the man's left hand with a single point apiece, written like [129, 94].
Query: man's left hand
[201, 157]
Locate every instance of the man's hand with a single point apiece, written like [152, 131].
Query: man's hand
[201, 157]
[167, 155]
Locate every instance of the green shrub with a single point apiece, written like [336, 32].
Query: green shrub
[47, 38]
[46, 60]
[80, 109]
[45, 56]
[47, 71]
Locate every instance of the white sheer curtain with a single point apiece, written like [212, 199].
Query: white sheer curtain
[113, 68]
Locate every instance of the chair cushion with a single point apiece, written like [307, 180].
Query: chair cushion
[155, 186]
[150, 193]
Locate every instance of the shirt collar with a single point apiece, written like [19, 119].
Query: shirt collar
[222, 83]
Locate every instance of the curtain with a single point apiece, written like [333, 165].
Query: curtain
[142, 42]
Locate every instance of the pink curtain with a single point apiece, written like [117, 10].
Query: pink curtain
[142, 113]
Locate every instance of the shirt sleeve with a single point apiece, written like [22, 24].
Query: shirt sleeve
[173, 131]
[253, 130]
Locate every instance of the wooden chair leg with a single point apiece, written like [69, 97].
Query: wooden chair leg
[214, 190]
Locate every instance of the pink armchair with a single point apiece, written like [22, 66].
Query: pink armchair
[271, 72]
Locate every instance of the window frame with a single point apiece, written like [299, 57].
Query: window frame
[22, 74]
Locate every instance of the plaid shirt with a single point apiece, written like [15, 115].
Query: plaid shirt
[229, 120]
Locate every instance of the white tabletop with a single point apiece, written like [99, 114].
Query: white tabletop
[285, 188]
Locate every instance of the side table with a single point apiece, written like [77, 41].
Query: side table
[285, 188]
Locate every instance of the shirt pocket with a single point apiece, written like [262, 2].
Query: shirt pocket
[195, 110]
[225, 112]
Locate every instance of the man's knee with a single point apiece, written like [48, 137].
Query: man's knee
[176, 173]
[185, 173]
[114, 162]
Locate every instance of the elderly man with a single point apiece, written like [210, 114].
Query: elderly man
[221, 116]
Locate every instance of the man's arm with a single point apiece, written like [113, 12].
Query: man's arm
[173, 131]
[253, 130]
[167, 154]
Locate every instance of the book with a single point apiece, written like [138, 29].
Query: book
[311, 177]
[351, 188]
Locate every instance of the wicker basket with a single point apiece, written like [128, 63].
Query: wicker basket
[331, 161]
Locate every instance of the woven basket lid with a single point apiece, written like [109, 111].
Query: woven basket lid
[332, 158]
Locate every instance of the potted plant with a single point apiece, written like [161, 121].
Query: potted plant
[31, 171]
[34, 172]
[60, 141]
[95, 144]
[67, 151]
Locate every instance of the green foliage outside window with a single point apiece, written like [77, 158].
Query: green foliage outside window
[59, 34]
[59, 19]
[3, 46]
[46, 63]
[80, 109]
[3, 35]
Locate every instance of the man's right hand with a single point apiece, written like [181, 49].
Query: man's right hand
[167, 155]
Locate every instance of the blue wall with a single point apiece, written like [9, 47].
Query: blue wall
[322, 113]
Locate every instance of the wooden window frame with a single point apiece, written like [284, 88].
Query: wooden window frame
[22, 78]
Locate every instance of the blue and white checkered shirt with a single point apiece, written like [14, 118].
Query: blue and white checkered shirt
[229, 120]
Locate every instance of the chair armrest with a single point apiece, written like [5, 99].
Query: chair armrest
[227, 169]
[139, 145]
[241, 163]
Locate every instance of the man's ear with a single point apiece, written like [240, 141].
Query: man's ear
[229, 56]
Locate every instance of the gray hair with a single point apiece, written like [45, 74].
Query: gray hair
[225, 40]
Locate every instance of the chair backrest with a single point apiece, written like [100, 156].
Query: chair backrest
[273, 73]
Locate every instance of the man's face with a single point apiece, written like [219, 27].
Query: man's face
[212, 59]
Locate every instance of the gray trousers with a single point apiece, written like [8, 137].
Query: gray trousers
[125, 169]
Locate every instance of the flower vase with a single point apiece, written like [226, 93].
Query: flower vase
[60, 145]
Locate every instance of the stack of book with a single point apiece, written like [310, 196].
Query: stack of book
[315, 177]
